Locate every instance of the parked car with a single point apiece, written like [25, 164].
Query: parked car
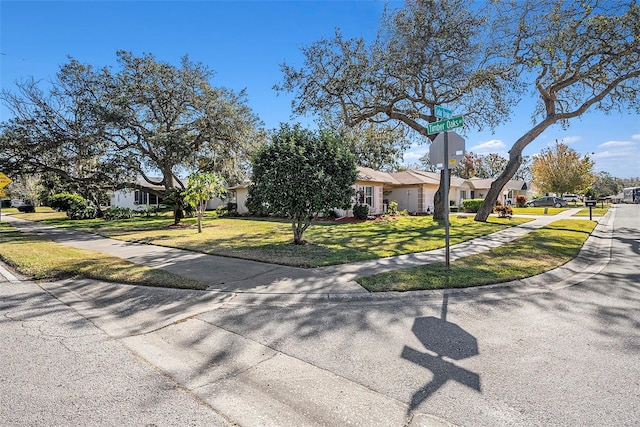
[556, 202]
[574, 198]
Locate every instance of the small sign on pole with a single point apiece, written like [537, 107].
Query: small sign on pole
[4, 180]
[445, 125]
[442, 113]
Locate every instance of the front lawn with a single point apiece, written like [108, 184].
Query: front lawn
[269, 240]
[539, 251]
[40, 258]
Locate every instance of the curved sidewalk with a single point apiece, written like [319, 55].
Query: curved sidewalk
[237, 276]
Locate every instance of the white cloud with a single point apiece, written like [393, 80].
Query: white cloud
[636, 136]
[491, 146]
[613, 154]
[617, 144]
[568, 140]
[412, 156]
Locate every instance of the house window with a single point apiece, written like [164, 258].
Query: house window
[365, 195]
[140, 197]
[154, 200]
[463, 194]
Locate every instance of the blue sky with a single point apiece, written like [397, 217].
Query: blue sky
[244, 42]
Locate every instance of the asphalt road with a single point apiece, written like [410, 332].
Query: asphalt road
[85, 353]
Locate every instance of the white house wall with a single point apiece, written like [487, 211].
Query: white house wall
[124, 199]
[241, 200]
[213, 204]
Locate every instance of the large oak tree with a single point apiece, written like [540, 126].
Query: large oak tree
[425, 54]
[475, 58]
[101, 128]
[573, 56]
[60, 133]
[171, 118]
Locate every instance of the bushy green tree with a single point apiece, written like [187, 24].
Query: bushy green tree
[300, 174]
[606, 185]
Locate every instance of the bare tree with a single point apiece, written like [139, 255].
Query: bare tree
[574, 56]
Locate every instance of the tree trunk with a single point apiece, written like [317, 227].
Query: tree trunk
[201, 207]
[299, 225]
[496, 187]
[515, 160]
[439, 198]
[296, 225]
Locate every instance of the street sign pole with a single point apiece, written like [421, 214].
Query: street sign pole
[438, 127]
[446, 199]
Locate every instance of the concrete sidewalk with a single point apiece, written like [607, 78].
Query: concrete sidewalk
[231, 275]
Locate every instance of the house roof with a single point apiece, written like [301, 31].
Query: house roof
[413, 177]
[372, 175]
[485, 183]
[417, 177]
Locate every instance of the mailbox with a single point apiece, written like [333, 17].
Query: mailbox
[590, 203]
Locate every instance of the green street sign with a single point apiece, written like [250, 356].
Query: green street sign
[442, 112]
[445, 125]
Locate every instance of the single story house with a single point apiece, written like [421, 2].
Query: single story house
[413, 190]
[240, 193]
[513, 188]
[369, 186]
[138, 199]
[146, 195]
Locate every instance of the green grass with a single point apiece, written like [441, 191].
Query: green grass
[538, 211]
[270, 240]
[595, 211]
[41, 259]
[39, 209]
[539, 251]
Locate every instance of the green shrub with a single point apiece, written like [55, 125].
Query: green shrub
[147, 210]
[393, 208]
[361, 211]
[82, 209]
[63, 201]
[330, 214]
[222, 210]
[27, 208]
[118, 213]
[472, 205]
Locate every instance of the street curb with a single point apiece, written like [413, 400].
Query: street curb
[8, 275]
